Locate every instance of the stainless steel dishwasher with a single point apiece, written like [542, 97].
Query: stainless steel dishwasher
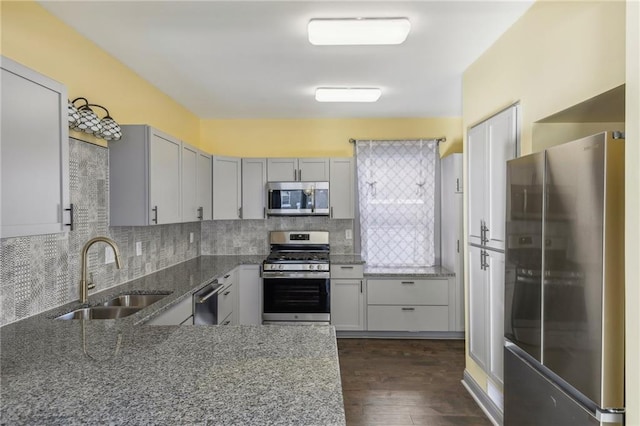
[205, 304]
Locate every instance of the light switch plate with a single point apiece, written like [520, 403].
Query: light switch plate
[138, 248]
[190, 237]
[109, 255]
[348, 234]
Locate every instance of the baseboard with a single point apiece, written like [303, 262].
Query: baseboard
[482, 399]
[451, 335]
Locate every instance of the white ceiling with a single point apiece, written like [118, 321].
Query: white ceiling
[252, 59]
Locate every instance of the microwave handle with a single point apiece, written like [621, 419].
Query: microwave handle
[313, 199]
[269, 195]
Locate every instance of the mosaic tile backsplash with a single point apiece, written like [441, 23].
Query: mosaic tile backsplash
[41, 272]
[252, 236]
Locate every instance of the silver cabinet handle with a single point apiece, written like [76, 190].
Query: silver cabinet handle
[240, 212]
[226, 293]
[264, 212]
[408, 309]
[457, 184]
[295, 174]
[201, 213]
[346, 267]
[482, 260]
[227, 322]
[331, 213]
[155, 214]
[407, 282]
[300, 175]
[226, 276]
[361, 286]
[70, 210]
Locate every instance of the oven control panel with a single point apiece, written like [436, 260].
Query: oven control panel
[295, 267]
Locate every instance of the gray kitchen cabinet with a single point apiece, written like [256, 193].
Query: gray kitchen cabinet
[227, 189]
[408, 304]
[190, 206]
[179, 314]
[348, 297]
[34, 153]
[249, 295]
[342, 188]
[228, 299]
[204, 198]
[254, 178]
[451, 235]
[297, 169]
[486, 310]
[490, 144]
[145, 172]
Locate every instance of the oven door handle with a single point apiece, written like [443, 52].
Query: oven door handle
[295, 275]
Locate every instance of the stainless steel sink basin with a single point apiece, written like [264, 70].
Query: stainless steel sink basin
[100, 312]
[134, 300]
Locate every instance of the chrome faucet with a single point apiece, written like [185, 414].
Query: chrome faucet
[84, 286]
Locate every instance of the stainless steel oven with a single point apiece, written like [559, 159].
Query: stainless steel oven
[295, 277]
[298, 198]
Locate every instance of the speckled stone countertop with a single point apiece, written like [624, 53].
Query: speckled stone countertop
[125, 372]
[432, 272]
[346, 259]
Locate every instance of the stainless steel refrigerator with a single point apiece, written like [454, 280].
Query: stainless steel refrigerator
[564, 285]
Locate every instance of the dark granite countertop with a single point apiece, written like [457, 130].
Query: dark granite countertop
[346, 259]
[125, 372]
[431, 272]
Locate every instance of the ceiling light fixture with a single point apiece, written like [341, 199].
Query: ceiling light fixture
[347, 94]
[354, 31]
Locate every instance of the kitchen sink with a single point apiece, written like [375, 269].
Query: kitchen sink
[100, 312]
[135, 300]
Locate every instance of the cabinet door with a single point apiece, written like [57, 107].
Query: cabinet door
[282, 169]
[205, 182]
[254, 178]
[34, 153]
[501, 146]
[249, 295]
[227, 176]
[189, 183]
[347, 304]
[313, 169]
[342, 188]
[495, 278]
[476, 147]
[477, 308]
[164, 178]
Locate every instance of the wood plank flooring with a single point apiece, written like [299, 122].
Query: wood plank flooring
[406, 382]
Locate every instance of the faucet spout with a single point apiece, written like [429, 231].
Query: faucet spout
[84, 286]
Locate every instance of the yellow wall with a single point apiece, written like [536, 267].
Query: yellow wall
[319, 137]
[557, 55]
[632, 206]
[39, 40]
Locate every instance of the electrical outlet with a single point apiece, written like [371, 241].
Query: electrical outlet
[109, 255]
[190, 237]
[348, 234]
[138, 248]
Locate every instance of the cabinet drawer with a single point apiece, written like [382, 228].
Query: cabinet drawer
[225, 302]
[408, 292]
[176, 315]
[226, 321]
[347, 271]
[408, 318]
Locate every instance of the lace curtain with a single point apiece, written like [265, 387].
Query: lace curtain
[397, 190]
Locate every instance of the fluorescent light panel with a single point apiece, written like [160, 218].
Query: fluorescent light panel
[346, 94]
[354, 31]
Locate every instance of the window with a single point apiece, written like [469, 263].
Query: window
[398, 202]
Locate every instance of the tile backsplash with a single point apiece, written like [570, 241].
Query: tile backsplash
[252, 236]
[41, 272]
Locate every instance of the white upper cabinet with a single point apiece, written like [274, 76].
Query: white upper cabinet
[190, 206]
[490, 144]
[145, 173]
[34, 153]
[254, 178]
[227, 178]
[341, 188]
[204, 199]
[297, 169]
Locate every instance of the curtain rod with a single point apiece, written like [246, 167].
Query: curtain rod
[438, 140]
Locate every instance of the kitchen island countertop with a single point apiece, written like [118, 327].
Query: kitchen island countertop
[125, 372]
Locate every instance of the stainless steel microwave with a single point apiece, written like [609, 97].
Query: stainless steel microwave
[298, 198]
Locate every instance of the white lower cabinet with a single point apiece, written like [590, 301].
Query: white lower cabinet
[347, 297]
[180, 314]
[249, 295]
[409, 304]
[227, 299]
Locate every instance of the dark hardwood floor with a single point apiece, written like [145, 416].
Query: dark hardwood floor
[406, 382]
